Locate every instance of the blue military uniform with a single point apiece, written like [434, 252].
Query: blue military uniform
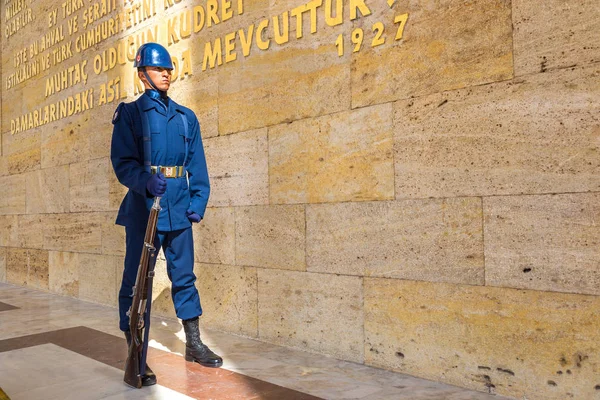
[174, 141]
[155, 138]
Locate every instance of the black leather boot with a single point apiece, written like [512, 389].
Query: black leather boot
[195, 350]
[148, 379]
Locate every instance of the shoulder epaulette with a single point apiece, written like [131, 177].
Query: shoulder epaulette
[118, 113]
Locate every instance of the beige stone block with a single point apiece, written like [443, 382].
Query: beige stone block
[3, 251]
[560, 34]
[214, 237]
[116, 191]
[17, 266]
[25, 35]
[10, 109]
[47, 190]
[314, 312]
[19, 40]
[27, 267]
[250, 98]
[37, 275]
[80, 232]
[65, 142]
[22, 150]
[339, 157]
[30, 231]
[98, 278]
[229, 298]
[431, 240]
[14, 194]
[113, 235]
[538, 134]
[15, 100]
[520, 343]
[33, 89]
[63, 270]
[271, 237]
[162, 302]
[200, 94]
[238, 166]
[4, 166]
[299, 79]
[446, 45]
[89, 185]
[100, 134]
[9, 230]
[549, 243]
[94, 122]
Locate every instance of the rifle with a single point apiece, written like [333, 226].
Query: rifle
[136, 361]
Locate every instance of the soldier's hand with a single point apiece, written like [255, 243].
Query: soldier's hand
[192, 216]
[157, 185]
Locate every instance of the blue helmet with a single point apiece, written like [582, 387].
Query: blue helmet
[152, 55]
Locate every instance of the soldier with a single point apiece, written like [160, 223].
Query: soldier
[156, 151]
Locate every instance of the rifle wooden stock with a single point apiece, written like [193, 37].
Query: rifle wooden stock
[137, 311]
[132, 368]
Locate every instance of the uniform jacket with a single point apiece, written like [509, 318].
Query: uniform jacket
[168, 149]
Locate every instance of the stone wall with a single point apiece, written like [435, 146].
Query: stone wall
[428, 204]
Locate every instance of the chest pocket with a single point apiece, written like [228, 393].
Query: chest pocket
[174, 145]
[155, 127]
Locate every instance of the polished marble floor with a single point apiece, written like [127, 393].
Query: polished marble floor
[53, 347]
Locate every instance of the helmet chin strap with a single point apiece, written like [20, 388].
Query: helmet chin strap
[163, 93]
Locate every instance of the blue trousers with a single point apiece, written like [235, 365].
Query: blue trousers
[178, 247]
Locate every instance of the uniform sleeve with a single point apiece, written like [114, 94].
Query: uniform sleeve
[197, 172]
[126, 160]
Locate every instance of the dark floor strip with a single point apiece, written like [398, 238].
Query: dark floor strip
[172, 370]
[7, 307]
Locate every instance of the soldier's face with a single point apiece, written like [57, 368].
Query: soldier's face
[160, 76]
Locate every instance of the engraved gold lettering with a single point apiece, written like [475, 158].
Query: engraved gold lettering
[212, 55]
[226, 13]
[282, 37]
[260, 42]
[186, 64]
[360, 6]
[230, 54]
[185, 24]
[171, 34]
[338, 19]
[199, 17]
[211, 12]
[312, 7]
[297, 12]
[246, 40]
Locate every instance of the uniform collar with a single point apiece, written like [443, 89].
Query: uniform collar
[156, 95]
[148, 103]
